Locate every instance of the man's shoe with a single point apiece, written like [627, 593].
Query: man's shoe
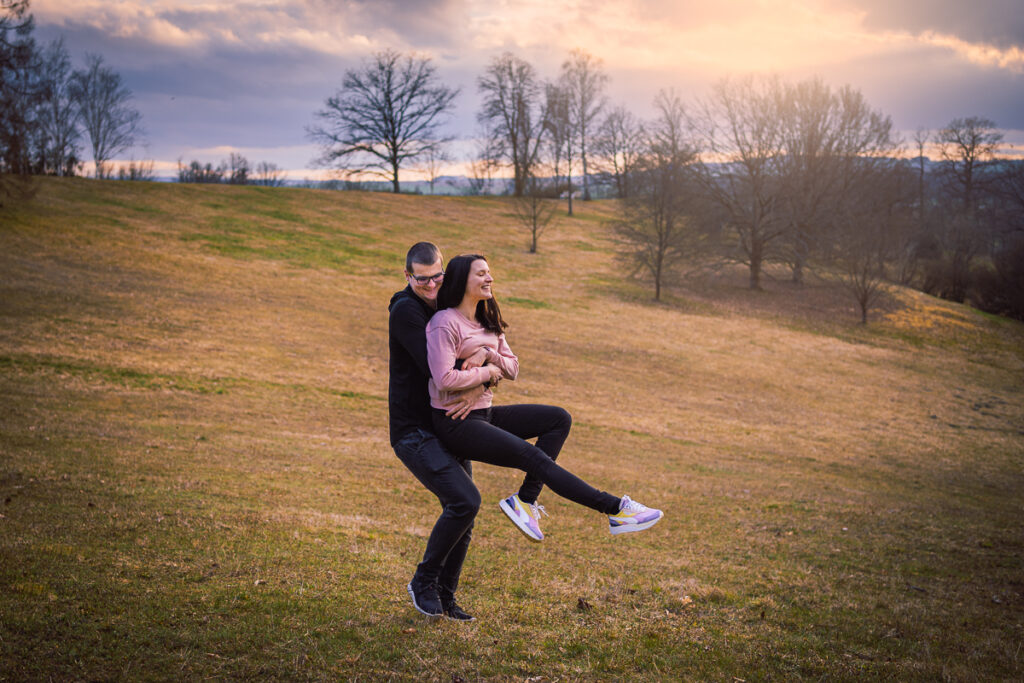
[525, 516]
[456, 613]
[425, 599]
[632, 516]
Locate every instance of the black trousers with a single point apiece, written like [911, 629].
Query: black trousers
[451, 480]
[497, 436]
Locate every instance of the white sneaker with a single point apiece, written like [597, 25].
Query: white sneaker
[526, 516]
[632, 516]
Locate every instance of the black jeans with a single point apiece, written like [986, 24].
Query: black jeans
[451, 480]
[497, 436]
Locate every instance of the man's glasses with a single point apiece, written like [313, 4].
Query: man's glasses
[424, 279]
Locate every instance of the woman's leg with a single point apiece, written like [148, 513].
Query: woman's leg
[550, 424]
[475, 438]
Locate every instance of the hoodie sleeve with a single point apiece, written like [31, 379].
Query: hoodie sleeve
[408, 324]
[506, 360]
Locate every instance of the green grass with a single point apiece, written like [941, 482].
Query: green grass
[196, 480]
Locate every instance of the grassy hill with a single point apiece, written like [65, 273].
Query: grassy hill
[197, 482]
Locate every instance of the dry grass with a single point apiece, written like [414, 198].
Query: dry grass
[197, 480]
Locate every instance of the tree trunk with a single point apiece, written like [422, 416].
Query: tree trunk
[586, 185]
[755, 267]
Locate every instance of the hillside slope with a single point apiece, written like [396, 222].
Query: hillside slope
[196, 466]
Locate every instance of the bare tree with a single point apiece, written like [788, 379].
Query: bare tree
[268, 175]
[967, 146]
[739, 133]
[561, 135]
[388, 112]
[198, 173]
[963, 229]
[434, 162]
[534, 211]
[513, 112]
[871, 223]
[237, 169]
[111, 123]
[19, 95]
[921, 138]
[484, 162]
[142, 170]
[618, 145]
[656, 228]
[58, 112]
[828, 139]
[584, 81]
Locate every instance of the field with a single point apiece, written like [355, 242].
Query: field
[197, 482]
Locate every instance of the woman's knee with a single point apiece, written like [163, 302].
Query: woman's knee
[563, 419]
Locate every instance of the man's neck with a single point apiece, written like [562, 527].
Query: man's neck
[428, 302]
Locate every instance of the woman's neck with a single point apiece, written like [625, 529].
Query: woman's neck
[467, 307]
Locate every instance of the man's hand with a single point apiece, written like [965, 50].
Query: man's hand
[459, 406]
[476, 359]
[495, 374]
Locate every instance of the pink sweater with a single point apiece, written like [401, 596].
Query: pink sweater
[450, 336]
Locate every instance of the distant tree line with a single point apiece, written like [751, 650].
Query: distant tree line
[805, 177]
[236, 170]
[761, 172]
[49, 110]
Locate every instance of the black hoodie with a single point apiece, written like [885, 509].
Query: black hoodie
[408, 402]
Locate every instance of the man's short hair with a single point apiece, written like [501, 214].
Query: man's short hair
[423, 253]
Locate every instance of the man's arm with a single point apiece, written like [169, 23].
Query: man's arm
[408, 326]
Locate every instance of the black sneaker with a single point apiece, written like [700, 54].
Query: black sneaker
[425, 600]
[456, 613]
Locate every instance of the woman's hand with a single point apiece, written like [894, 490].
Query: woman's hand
[460, 405]
[476, 359]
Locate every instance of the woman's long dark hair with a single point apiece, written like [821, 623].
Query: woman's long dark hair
[453, 289]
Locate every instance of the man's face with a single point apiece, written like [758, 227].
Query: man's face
[430, 279]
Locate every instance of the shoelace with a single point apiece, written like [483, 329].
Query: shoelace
[538, 510]
[630, 505]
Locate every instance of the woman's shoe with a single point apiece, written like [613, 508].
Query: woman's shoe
[632, 516]
[526, 516]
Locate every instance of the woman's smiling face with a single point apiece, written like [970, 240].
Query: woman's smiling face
[478, 283]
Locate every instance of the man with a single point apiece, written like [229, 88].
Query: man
[433, 586]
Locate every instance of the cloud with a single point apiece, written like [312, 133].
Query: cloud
[251, 73]
[1011, 58]
[999, 23]
[254, 25]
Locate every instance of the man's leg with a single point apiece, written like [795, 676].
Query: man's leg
[443, 476]
[448, 580]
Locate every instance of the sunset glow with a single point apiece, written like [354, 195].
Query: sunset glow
[211, 74]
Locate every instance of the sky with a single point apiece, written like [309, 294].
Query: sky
[211, 77]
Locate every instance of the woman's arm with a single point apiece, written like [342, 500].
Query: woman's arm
[442, 352]
[504, 359]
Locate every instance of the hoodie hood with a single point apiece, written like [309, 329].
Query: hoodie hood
[407, 293]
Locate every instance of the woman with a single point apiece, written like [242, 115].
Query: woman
[468, 319]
